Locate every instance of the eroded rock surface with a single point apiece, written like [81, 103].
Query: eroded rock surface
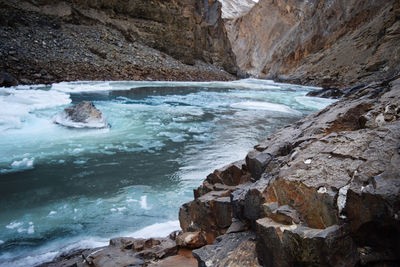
[120, 253]
[328, 43]
[324, 191]
[229, 250]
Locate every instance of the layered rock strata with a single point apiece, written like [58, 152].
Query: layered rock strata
[47, 41]
[328, 43]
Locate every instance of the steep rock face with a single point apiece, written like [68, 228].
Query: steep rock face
[328, 43]
[46, 41]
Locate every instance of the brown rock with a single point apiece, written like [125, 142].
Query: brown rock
[210, 213]
[191, 240]
[283, 245]
[229, 250]
[175, 261]
[257, 163]
[322, 43]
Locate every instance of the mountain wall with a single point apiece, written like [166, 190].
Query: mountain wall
[47, 41]
[329, 43]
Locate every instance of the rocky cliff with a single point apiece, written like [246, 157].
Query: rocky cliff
[47, 41]
[322, 192]
[329, 43]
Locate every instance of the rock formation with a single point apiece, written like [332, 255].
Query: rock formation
[47, 41]
[81, 115]
[328, 43]
[322, 192]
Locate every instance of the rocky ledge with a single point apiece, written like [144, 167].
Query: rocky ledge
[324, 191]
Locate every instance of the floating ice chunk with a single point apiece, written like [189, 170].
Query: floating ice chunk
[24, 164]
[17, 104]
[52, 213]
[121, 209]
[80, 162]
[1, 242]
[314, 102]
[266, 106]
[156, 230]
[14, 225]
[84, 86]
[113, 210]
[143, 203]
[31, 228]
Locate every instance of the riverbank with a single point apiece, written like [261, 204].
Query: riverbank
[329, 182]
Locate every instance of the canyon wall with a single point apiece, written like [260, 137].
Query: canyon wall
[329, 43]
[47, 41]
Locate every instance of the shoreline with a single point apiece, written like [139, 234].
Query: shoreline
[242, 186]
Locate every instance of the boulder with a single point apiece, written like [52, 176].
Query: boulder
[81, 115]
[257, 163]
[282, 214]
[247, 201]
[295, 245]
[191, 240]
[231, 175]
[7, 80]
[210, 214]
[229, 250]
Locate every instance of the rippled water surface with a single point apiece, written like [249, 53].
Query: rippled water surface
[64, 188]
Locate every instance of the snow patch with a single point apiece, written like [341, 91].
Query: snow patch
[266, 106]
[341, 200]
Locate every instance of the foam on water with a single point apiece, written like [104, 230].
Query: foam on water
[63, 119]
[156, 230]
[266, 106]
[314, 102]
[14, 225]
[19, 165]
[93, 86]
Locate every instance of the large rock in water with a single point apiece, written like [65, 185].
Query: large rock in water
[81, 115]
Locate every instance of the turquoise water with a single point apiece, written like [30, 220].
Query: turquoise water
[63, 188]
